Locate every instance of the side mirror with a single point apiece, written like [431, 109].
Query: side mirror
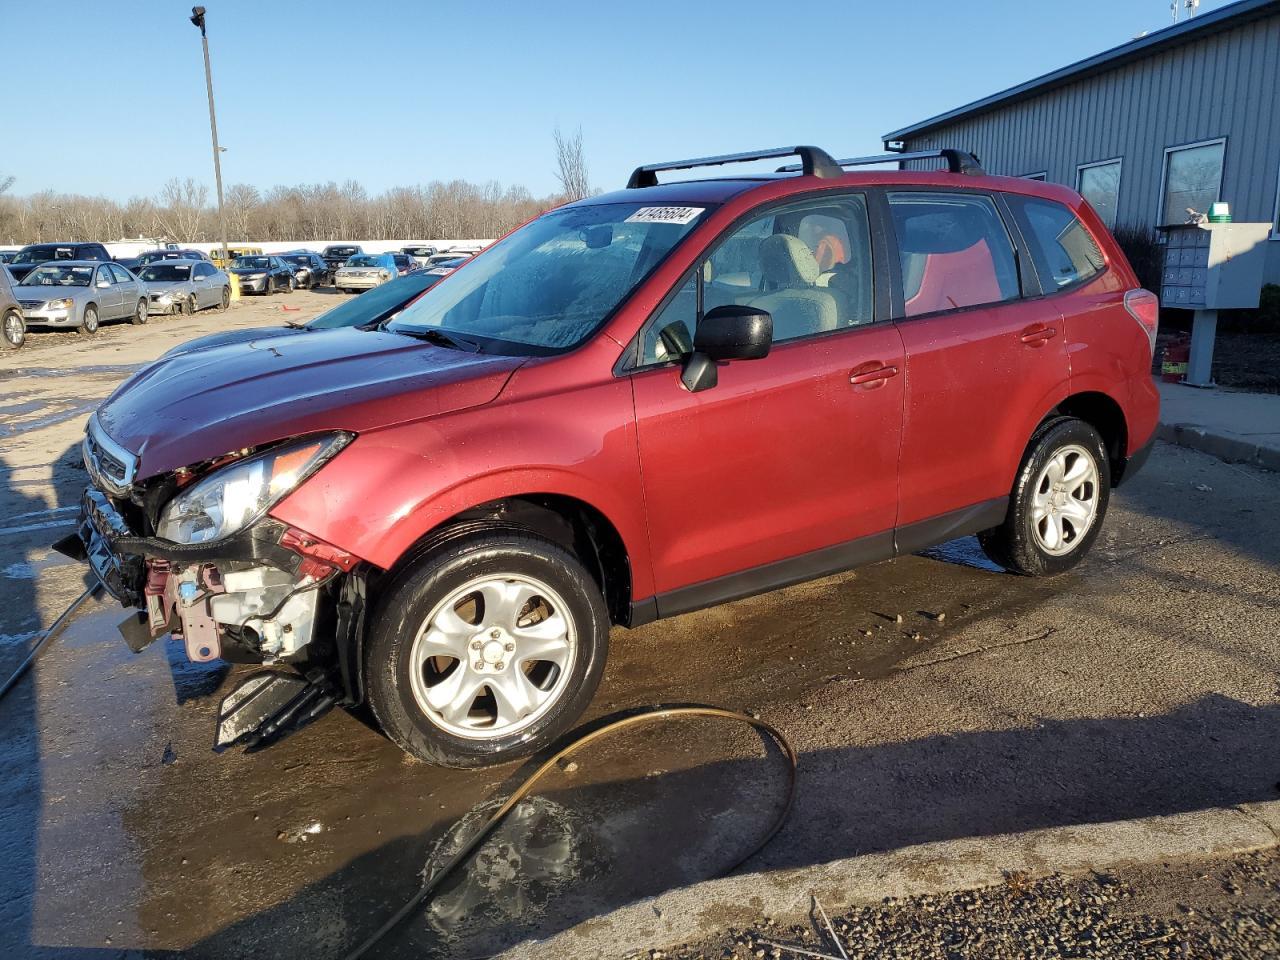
[730, 332]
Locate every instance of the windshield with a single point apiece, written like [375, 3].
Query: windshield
[41, 254]
[340, 251]
[552, 283]
[51, 275]
[162, 255]
[299, 260]
[365, 261]
[251, 263]
[375, 304]
[166, 272]
[419, 251]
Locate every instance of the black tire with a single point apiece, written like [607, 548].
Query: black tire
[14, 330]
[89, 321]
[140, 314]
[422, 586]
[293, 285]
[225, 304]
[1015, 545]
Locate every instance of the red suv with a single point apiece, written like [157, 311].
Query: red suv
[633, 406]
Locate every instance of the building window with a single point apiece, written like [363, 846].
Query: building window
[1041, 176]
[1275, 220]
[1192, 180]
[1099, 183]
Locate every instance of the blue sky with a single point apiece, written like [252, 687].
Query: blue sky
[408, 92]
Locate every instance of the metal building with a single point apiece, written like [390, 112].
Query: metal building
[1170, 121]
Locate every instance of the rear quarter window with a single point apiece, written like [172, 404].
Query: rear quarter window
[1064, 251]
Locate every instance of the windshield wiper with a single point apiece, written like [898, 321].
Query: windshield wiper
[440, 338]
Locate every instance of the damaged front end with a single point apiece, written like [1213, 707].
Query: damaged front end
[197, 554]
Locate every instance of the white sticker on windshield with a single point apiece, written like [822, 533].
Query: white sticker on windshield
[680, 215]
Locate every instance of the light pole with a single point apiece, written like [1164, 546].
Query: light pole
[197, 18]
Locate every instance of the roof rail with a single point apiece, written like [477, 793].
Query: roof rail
[813, 162]
[958, 161]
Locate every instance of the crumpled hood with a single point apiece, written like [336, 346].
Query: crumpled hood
[192, 407]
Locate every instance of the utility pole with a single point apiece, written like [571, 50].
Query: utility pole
[197, 18]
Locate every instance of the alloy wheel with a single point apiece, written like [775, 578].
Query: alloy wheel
[493, 657]
[15, 333]
[1064, 501]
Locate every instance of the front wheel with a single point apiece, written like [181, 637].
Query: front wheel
[15, 330]
[225, 303]
[89, 323]
[293, 285]
[1058, 501]
[486, 650]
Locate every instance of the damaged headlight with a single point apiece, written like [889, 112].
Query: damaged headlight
[231, 498]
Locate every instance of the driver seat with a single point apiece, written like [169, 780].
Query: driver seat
[798, 305]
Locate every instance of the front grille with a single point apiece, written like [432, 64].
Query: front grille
[110, 466]
[30, 304]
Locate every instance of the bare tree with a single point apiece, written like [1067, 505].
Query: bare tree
[571, 165]
[181, 209]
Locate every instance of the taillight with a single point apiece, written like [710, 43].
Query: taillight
[1144, 306]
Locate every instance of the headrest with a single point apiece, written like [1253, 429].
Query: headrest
[786, 261]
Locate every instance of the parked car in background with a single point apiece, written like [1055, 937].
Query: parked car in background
[446, 267]
[32, 255]
[264, 274]
[365, 270]
[436, 259]
[81, 294]
[13, 326]
[336, 254]
[135, 264]
[309, 269]
[233, 253]
[421, 252]
[185, 286]
[371, 308]
[6, 256]
[404, 263]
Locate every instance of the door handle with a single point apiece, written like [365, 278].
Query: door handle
[872, 374]
[1038, 335]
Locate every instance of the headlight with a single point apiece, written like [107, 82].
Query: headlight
[59, 304]
[385, 274]
[256, 276]
[231, 498]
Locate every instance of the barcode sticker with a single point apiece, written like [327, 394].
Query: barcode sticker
[679, 215]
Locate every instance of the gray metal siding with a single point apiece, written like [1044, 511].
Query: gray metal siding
[1224, 85]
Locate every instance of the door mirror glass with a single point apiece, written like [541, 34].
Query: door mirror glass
[734, 332]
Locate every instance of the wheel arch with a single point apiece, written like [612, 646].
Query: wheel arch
[573, 523]
[1104, 413]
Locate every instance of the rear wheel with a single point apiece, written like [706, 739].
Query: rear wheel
[14, 329]
[139, 313]
[1058, 501]
[89, 322]
[486, 650]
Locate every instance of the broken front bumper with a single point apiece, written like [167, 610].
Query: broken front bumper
[258, 591]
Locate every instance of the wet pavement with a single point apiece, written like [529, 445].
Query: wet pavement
[1146, 682]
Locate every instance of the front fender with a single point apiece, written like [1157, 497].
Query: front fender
[392, 487]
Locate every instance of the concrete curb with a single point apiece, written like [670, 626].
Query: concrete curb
[1223, 445]
[700, 910]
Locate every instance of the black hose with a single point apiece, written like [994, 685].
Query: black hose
[54, 629]
[657, 713]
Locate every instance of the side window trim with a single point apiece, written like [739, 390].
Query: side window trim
[629, 361]
[1022, 261]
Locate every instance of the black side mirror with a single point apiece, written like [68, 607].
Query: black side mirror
[730, 332]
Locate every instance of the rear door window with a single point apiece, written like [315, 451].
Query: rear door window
[1064, 251]
[954, 251]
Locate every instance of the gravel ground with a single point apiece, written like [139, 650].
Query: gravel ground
[1226, 909]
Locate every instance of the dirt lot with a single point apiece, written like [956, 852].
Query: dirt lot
[1146, 682]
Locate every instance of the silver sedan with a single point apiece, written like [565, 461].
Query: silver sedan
[81, 294]
[185, 286]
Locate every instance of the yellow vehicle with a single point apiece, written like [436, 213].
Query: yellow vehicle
[233, 251]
